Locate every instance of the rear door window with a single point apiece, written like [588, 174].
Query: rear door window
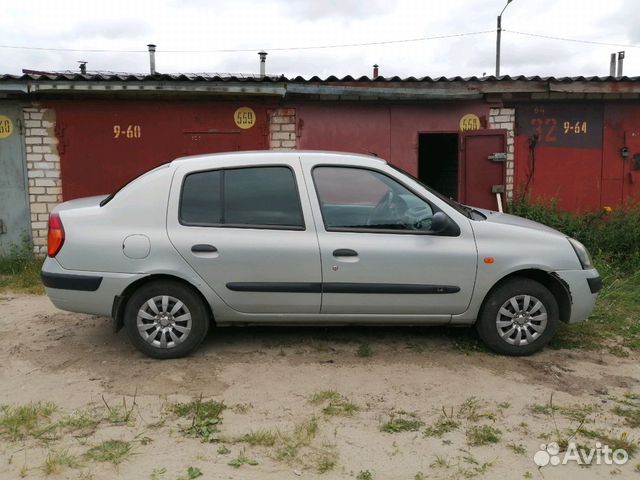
[261, 197]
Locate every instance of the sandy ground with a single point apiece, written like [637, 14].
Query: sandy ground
[266, 377]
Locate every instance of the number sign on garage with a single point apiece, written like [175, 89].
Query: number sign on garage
[562, 125]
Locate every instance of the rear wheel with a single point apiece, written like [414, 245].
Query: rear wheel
[518, 318]
[166, 319]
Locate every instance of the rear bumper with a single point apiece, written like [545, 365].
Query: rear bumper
[83, 292]
[65, 281]
[583, 286]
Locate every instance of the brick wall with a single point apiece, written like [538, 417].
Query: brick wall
[505, 118]
[282, 129]
[43, 171]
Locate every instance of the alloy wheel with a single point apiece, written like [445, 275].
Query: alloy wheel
[521, 320]
[164, 321]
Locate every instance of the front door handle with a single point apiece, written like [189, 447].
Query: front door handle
[203, 248]
[345, 252]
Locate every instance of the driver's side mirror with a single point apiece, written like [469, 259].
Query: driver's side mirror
[439, 222]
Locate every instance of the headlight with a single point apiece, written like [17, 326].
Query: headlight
[581, 252]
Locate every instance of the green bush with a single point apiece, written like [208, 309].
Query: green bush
[20, 270]
[613, 235]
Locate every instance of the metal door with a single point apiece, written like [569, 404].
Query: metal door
[14, 208]
[482, 167]
[393, 273]
[255, 269]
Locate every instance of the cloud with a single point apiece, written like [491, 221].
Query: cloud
[342, 9]
[108, 29]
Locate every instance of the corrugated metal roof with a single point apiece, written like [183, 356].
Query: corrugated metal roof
[32, 75]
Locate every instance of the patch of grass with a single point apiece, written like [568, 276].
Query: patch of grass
[192, 473]
[577, 412]
[364, 351]
[628, 408]
[23, 421]
[120, 414]
[624, 442]
[327, 460]
[111, 451]
[241, 460]
[444, 424]
[323, 396]
[440, 461]
[364, 475]
[242, 408]
[263, 438]
[57, 461]
[157, 473]
[474, 410]
[81, 422]
[205, 417]
[302, 435]
[20, 270]
[518, 449]
[223, 450]
[336, 403]
[478, 435]
[402, 422]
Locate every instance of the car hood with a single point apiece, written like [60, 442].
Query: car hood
[506, 219]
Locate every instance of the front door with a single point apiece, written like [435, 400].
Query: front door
[248, 233]
[14, 210]
[379, 255]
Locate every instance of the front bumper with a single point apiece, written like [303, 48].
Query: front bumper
[83, 292]
[583, 286]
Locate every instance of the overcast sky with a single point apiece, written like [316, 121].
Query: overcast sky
[272, 24]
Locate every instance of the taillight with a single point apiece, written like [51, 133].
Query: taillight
[55, 239]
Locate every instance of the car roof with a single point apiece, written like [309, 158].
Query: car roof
[303, 154]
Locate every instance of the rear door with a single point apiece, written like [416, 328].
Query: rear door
[14, 210]
[482, 168]
[247, 230]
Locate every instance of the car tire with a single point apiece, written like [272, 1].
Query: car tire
[518, 317]
[166, 319]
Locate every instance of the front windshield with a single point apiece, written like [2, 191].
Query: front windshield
[466, 211]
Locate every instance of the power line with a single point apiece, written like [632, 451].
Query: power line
[322, 47]
[574, 40]
[243, 50]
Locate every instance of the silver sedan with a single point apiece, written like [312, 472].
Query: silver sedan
[308, 238]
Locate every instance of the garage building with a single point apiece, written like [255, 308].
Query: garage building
[479, 140]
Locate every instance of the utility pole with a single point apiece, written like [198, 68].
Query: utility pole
[499, 37]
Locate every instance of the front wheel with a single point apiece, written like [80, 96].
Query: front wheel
[518, 318]
[166, 319]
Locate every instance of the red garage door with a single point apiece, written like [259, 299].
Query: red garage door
[482, 172]
[104, 144]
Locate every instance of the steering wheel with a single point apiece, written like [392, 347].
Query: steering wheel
[419, 217]
[389, 210]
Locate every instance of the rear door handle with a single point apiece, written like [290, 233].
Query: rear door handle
[203, 247]
[345, 252]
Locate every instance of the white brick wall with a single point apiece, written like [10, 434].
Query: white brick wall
[282, 129]
[505, 118]
[43, 171]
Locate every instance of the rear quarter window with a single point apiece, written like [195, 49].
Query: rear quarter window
[201, 198]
